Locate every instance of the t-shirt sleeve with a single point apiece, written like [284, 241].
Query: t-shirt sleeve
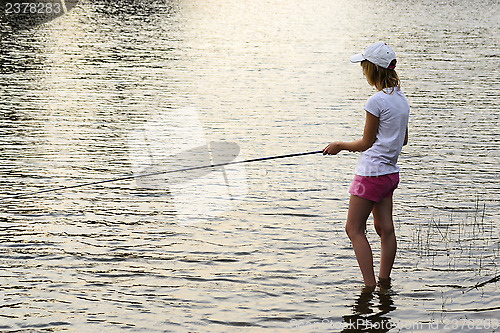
[374, 105]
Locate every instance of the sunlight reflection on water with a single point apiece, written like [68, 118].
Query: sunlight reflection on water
[274, 78]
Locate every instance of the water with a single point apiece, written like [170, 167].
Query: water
[274, 78]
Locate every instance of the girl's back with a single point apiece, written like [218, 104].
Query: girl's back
[391, 108]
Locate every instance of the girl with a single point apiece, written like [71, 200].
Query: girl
[377, 174]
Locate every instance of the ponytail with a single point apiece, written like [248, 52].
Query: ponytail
[381, 77]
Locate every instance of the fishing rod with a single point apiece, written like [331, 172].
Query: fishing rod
[55, 189]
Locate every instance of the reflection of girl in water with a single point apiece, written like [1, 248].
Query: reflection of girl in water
[364, 320]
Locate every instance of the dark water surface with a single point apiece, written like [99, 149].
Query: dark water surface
[270, 254]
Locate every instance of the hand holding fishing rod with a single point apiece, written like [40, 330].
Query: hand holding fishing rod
[332, 149]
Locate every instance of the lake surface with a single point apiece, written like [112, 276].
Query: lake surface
[113, 85]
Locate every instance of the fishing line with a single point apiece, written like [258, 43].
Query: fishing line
[159, 173]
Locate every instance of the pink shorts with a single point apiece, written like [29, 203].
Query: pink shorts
[374, 188]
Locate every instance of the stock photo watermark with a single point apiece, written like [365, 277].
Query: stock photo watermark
[364, 324]
[28, 13]
[174, 153]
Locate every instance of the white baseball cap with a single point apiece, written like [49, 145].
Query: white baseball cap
[379, 53]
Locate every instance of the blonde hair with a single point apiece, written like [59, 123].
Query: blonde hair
[381, 77]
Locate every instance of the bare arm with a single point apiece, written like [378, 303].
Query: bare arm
[405, 142]
[369, 135]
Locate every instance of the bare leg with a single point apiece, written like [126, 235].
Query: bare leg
[359, 210]
[382, 216]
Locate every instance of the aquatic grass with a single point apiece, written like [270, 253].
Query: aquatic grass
[481, 284]
[457, 256]
[469, 242]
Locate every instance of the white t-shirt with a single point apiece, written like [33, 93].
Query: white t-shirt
[392, 110]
